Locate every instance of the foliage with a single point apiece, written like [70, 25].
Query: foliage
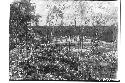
[33, 57]
[21, 16]
[53, 62]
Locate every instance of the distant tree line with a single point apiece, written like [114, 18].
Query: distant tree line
[104, 33]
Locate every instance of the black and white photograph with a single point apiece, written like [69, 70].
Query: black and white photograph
[64, 40]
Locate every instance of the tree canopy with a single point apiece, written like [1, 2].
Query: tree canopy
[22, 14]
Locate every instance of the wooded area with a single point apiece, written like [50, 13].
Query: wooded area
[59, 52]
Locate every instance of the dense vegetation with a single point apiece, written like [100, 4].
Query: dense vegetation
[56, 62]
[104, 33]
[33, 56]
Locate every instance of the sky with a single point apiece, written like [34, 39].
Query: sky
[72, 11]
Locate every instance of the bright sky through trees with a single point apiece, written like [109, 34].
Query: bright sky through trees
[83, 12]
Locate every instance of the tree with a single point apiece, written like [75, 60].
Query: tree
[82, 6]
[21, 16]
[55, 14]
[21, 13]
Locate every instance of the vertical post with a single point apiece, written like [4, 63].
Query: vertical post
[78, 42]
[82, 41]
[69, 45]
[26, 40]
